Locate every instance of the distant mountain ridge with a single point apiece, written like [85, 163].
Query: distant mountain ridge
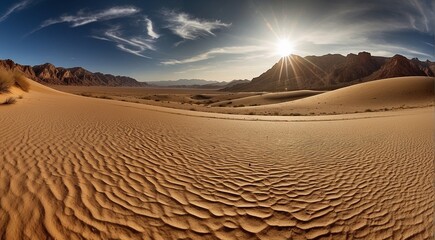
[196, 83]
[333, 71]
[49, 74]
[182, 82]
[293, 73]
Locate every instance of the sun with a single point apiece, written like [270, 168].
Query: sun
[284, 47]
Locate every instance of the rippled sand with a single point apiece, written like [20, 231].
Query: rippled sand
[74, 167]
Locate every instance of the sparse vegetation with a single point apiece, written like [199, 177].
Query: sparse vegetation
[86, 95]
[21, 82]
[201, 97]
[10, 100]
[9, 79]
[104, 97]
[6, 81]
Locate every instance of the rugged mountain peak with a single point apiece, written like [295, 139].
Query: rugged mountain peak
[48, 73]
[399, 66]
[9, 63]
[47, 66]
[332, 71]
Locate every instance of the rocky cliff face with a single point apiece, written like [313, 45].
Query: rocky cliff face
[49, 74]
[355, 67]
[333, 71]
[399, 66]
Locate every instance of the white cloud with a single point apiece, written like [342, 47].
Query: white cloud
[213, 52]
[150, 29]
[83, 18]
[190, 28]
[100, 38]
[15, 8]
[134, 52]
[133, 45]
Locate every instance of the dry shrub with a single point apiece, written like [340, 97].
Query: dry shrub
[21, 81]
[6, 81]
[10, 100]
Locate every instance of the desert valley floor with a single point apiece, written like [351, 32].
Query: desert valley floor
[73, 167]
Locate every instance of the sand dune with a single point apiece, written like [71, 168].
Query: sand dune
[267, 98]
[73, 167]
[380, 95]
[377, 96]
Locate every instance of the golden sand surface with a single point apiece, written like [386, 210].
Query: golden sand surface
[73, 167]
[394, 94]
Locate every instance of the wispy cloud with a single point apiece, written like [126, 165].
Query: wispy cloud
[83, 18]
[15, 8]
[363, 21]
[133, 45]
[213, 52]
[150, 29]
[190, 70]
[190, 28]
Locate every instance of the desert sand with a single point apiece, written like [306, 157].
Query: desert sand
[377, 96]
[73, 167]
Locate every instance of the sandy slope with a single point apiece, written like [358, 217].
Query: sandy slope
[74, 167]
[385, 94]
[268, 98]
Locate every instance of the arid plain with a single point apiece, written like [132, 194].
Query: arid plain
[75, 167]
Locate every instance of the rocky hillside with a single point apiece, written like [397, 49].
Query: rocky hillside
[333, 71]
[49, 74]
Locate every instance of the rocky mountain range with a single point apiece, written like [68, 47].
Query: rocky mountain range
[333, 71]
[291, 73]
[196, 83]
[182, 82]
[49, 74]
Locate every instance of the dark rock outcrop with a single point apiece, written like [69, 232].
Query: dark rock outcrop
[49, 74]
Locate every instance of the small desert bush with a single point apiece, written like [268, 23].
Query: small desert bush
[86, 94]
[10, 100]
[6, 81]
[104, 97]
[21, 82]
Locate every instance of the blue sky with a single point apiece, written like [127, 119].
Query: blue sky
[214, 40]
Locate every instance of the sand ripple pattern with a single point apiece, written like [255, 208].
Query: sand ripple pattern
[101, 171]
